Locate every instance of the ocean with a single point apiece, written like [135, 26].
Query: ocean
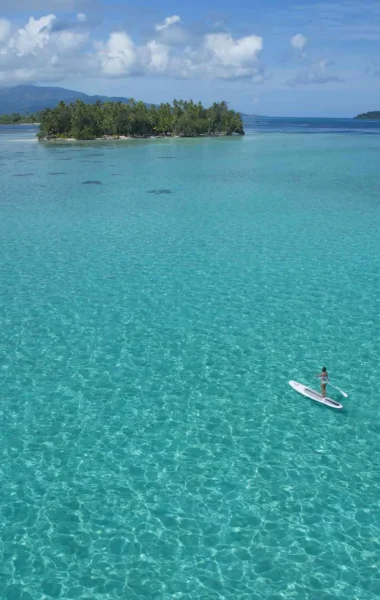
[156, 298]
[311, 125]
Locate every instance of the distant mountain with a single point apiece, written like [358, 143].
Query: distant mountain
[25, 99]
[252, 116]
[375, 114]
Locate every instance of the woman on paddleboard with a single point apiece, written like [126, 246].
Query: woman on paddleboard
[324, 377]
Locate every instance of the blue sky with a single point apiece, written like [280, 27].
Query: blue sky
[281, 57]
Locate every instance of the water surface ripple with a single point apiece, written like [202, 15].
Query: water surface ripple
[151, 446]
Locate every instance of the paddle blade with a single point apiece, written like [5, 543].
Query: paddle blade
[339, 390]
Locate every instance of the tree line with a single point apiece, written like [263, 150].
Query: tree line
[374, 114]
[135, 119]
[17, 119]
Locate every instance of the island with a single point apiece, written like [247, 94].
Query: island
[17, 119]
[81, 121]
[372, 115]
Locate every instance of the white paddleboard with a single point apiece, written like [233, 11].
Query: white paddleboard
[313, 395]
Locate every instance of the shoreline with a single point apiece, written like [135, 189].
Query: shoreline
[18, 124]
[119, 138]
[123, 138]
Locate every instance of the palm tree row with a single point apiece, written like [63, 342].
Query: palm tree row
[17, 119]
[136, 119]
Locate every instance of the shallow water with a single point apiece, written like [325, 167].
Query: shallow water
[151, 446]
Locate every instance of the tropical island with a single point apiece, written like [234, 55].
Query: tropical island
[17, 119]
[374, 115]
[80, 121]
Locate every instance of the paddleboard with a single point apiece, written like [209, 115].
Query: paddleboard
[313, 395]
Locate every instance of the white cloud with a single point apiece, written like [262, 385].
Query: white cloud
[176, 35]
[223, 57]
[233, 53]
[18, 76]
[38, 52]
[167, 22]
[43, 51]
[5, 30]
[159, 56]
[81, 18]
[219, 56]
[299, 42]
[118, 56]
[38, 37]
[69, 41]
[34, 36]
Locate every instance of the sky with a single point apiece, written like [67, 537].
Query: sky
[275, 58]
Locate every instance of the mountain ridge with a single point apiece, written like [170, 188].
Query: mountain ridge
[25, 99]
[28, 99]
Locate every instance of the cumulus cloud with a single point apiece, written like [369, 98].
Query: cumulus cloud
[118, 56]
[234, 53]
[219, 56]
[159, 56]
[299, 42]
[35, 35]
[167, 22]
[70, 41]
[223, 57]
[44, 50]
[176, 35]
[38, 35]
[5, 30]
[39, 52]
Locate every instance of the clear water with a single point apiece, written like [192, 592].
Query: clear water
[258, 124]
[151, 446]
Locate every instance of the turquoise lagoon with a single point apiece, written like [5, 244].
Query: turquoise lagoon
[156, 297]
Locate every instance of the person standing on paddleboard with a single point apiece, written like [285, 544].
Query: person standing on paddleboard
[324, 377]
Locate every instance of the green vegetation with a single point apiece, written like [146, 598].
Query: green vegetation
[90, 121]
[375, 114]
[17, 119]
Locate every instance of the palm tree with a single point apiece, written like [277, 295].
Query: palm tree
[86, 121]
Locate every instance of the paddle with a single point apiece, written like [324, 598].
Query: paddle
[339, 390]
